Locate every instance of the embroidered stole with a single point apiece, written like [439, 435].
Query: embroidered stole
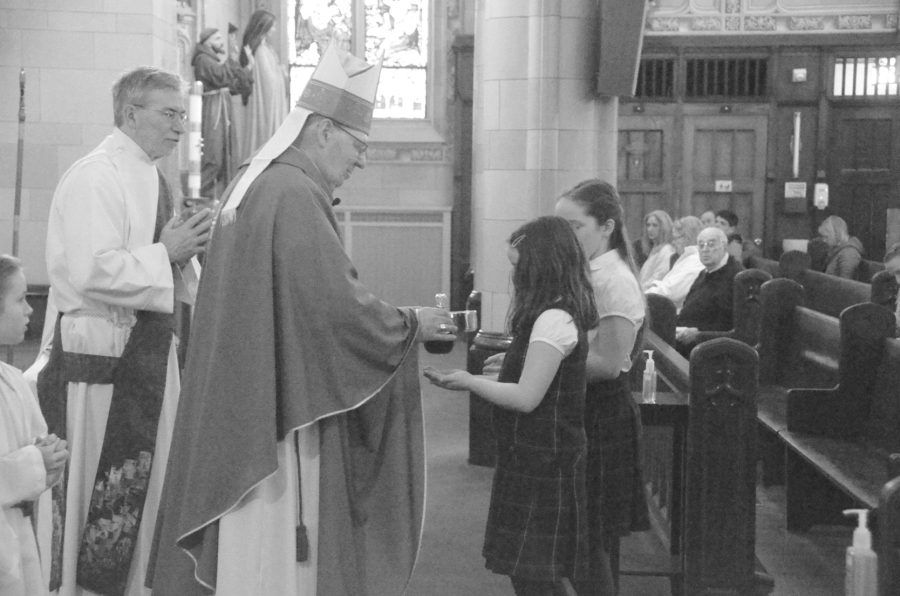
[120, 488]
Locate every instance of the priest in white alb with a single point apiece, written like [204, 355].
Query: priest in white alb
[117, 259]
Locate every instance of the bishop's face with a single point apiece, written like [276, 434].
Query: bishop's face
[343, 154]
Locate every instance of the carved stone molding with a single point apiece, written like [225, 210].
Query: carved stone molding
[759, 23]
[855, 22]
[732, 6]
[692, 17]
[663, 25]
[807, 23]
[706, 24]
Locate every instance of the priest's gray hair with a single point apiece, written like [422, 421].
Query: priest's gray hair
[131, 88]
[9, 266]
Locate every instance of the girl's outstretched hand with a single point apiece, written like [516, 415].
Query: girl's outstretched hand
[454, 379]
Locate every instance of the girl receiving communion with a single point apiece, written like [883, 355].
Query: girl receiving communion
[537, 528]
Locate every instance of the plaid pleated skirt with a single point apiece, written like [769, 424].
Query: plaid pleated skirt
[537, 522]
[617, 500]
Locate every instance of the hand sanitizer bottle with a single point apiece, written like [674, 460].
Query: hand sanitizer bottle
[649, 390]
[862, 562]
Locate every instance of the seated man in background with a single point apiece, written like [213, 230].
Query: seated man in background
[676, 283]
[727, 221]
[709, 305]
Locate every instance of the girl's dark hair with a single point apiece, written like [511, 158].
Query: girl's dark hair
[552, 272]
[601, 201]
[260, 22]
[9, 266]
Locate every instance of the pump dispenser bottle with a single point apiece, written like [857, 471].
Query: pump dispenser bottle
[649, 391]
[862, 562]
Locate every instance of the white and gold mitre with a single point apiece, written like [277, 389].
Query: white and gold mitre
[342, 88]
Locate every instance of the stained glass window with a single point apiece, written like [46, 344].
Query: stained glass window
[396, 28]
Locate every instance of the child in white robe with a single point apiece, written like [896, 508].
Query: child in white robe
[30, 461]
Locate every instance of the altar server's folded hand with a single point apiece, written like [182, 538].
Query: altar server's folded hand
[435, 324]
[54, 453]
[454, 379]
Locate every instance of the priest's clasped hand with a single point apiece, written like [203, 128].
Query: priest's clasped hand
[435, 324]
[186, 239]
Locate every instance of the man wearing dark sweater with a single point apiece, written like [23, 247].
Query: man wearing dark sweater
[710, 302]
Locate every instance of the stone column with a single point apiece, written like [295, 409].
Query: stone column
[538, 126]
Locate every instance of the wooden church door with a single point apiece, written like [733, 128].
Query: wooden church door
[864, 172]
[725, 168]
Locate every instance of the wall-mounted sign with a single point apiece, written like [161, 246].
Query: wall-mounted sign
[795, 190]
[723, 185]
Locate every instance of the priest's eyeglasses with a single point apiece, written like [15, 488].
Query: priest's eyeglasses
[171, 115]
[357, 144]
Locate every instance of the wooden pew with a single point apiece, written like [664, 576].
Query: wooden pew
[767, 265]
[798, 348]
[888, 537]
[867, 270]
[720, 523]
[825, 293]
[839, 441]
[709, 495]
[747, 287]
[794, 264]
[830, 295]
[661, 315]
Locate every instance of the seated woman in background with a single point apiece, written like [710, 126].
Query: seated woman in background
[656, 243]
[844, 251]
[677, 282]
